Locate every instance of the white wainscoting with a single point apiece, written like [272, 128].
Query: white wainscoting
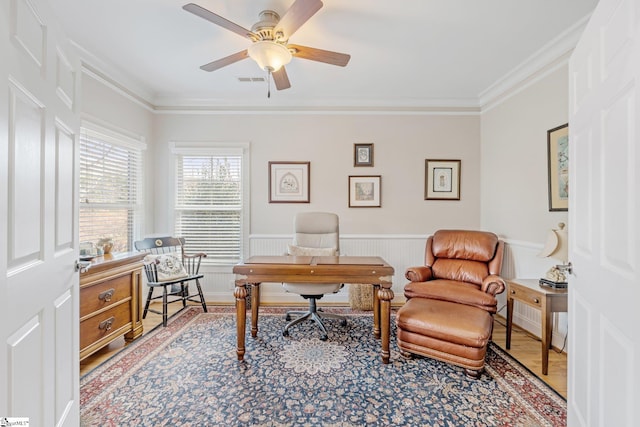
[401, 251]
[521, 261]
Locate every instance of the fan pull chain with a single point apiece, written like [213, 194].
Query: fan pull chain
[268, 83]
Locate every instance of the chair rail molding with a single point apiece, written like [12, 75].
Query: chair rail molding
[400, 251]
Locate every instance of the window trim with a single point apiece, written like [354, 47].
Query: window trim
[215, 148]
[89, 128]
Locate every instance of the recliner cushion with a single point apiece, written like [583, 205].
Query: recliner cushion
[453, 291]
[446, 321]
[464, 244]
[460, 269]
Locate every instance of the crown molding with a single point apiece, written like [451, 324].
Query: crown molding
[327, 110]
[549, 58]
[112, 77]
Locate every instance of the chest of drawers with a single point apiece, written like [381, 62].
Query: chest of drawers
[110, 301]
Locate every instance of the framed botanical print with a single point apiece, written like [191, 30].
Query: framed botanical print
[442, 179]
[362, 154]
[558, 167]
[364, 191]
[289, 182]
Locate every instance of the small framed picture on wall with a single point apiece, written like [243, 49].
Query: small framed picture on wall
[364, 191]
[442, 179]
[289, 182]
[558, 167]
[362, 154]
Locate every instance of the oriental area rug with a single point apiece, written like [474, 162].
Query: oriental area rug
[187, 374]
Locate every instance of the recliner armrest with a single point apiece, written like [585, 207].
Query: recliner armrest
[493, 285]
[418, 274]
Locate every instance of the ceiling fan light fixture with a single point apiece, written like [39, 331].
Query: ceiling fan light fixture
[269, 55]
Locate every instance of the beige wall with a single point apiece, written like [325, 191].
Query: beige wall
[107, 107]
[401, 145]
[514, 160]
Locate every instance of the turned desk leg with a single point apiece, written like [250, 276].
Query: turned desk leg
[376, 311]
[255, 305]
[240, 293]
[386, 295]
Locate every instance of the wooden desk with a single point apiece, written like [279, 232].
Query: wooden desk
[547, 300]
[305, 269]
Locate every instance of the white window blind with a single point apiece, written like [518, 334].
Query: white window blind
[110, 189]
[209, 205]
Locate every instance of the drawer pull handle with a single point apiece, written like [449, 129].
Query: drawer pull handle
[106, 295]
[106, 324]
[536, 300]
[513, 292]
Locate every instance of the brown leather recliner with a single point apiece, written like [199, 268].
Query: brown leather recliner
[451, 299]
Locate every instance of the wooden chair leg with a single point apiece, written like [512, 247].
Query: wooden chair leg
[184, 293]
[204, 305]
[164, 306]
[146, 305]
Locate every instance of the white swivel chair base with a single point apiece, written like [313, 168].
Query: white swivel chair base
[313, 314]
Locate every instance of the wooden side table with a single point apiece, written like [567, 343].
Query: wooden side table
[547, 300]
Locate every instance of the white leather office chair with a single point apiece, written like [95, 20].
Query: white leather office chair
[315, 234]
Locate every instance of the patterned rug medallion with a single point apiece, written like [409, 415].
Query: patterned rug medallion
[187, 374]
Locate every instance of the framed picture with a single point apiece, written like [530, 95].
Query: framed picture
[442, 179]
[362, 154]
[558, 167]
[364, 191]
[289, 182]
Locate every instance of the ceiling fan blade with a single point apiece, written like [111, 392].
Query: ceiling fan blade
[223, 62]
[298, 14]
[326, 56]
[281, 79]
[219, 20]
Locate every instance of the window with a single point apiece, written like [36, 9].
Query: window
[110, 187]
[211, 208]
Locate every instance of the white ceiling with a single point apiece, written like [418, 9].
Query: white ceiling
[406, 54]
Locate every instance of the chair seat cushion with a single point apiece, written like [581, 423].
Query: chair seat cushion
[454, 291]
[312, 288]
[304, 251]
[446, 321]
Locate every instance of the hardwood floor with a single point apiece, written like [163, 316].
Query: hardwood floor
[527, 349]
[104, 353]
[524, 347]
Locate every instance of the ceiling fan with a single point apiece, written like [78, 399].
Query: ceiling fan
[270, 46]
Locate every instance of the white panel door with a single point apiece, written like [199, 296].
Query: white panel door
[604, 218]
[39, 118]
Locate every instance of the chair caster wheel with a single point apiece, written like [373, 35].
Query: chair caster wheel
[343, 322]
[285, 333]
[324, 338]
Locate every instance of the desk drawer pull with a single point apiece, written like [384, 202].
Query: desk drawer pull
[513, 292]
[536, 300]
[106, 324]
[106, 295]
